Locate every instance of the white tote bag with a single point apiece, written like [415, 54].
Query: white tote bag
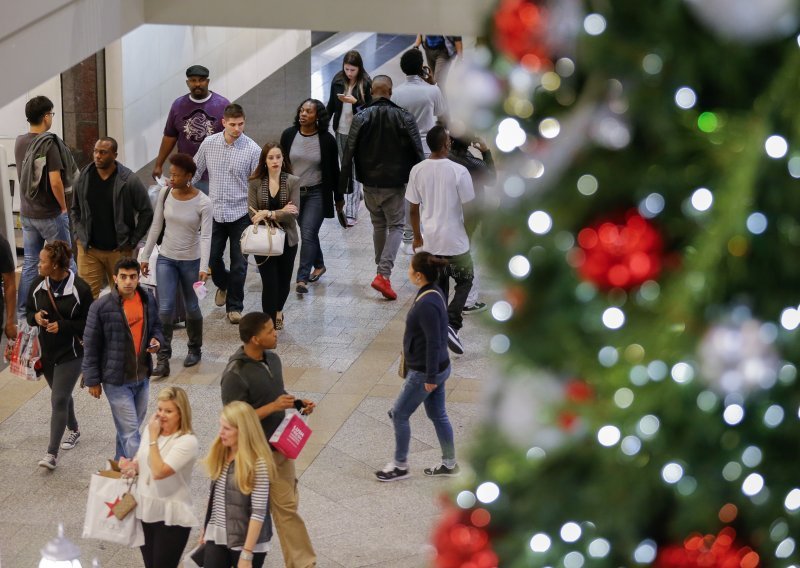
[266, 240]
[100, 522]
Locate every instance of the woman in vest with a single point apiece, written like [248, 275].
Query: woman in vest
[164, 462]
[182, 227]
[58, 303]
[238, 528]
[274, 196]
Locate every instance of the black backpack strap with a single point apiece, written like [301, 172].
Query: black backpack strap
[163, 214]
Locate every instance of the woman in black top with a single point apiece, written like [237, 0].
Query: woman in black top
[274, 195]
[58, 302]
[350, 92]
[311, 149]
[428, 367]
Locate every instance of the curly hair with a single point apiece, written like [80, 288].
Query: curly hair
[60, 254]
[323, 119]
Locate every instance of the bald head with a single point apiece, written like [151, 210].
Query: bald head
[382, 87]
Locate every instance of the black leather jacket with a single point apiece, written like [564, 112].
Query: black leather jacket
[384, 143]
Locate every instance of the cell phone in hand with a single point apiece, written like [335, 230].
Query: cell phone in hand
[299, 404]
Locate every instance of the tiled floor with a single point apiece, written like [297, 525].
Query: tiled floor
[340, 348]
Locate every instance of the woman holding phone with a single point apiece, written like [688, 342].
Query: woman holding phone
[58, 303]
[350, 92]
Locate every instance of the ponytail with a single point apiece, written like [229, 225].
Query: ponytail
[428, 265]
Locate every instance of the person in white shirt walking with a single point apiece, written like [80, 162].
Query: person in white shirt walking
[230, 157]
[437, 189]
[164, 463]
[424, 101]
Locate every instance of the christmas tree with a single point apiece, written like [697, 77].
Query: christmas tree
[648, 233]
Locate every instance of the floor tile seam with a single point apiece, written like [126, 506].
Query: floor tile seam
[369, 348]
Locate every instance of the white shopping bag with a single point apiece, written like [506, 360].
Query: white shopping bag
[153, 260]
[100, 522]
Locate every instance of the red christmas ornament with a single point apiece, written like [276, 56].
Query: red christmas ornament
[577, 392]
[461, 540]
[619, 253]
[520, 32]
[709, 551]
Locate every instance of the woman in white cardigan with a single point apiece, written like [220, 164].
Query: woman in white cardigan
[164, 462]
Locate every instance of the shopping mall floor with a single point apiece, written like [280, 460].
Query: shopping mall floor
[340, 347]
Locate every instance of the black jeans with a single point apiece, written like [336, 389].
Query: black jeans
[231, 280]
[461, 270]
[61, 378]
[218, 556]
[163, 544]
[276, 279]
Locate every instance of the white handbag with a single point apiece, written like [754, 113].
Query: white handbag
[266, 240]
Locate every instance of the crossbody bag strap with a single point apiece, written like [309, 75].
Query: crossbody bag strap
[53, 302]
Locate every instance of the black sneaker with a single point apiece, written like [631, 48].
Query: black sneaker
[474, 308]
[453, 342]
[392, 473]
[301, 288]
[442, 471]
[48, 461]
[71, 441]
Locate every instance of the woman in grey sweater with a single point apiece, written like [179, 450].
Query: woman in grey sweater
[182, 227]
[274, 196]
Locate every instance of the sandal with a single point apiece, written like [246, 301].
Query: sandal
[279, 321]
[316, 276]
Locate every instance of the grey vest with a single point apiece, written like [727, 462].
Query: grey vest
[237, 513]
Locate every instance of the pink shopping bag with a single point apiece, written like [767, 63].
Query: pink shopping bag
[291, 436]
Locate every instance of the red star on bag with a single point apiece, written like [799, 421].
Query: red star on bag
[111, 507]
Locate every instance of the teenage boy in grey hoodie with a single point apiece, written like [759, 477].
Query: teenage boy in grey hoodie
[255, 375]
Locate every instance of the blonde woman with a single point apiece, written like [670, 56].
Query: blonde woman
[238, 528]
[164, 462]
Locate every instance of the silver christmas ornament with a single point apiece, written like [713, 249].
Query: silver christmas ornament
[747, 21]
[739, 357]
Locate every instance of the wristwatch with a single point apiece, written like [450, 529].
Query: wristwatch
[247, 556]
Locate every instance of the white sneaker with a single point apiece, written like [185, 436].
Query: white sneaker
[407, 249]
[234, 317]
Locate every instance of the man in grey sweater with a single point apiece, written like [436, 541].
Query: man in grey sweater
[255, 375]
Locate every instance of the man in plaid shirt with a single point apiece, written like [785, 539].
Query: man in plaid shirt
[230, 158]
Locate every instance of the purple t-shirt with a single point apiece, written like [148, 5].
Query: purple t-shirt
[190, 121]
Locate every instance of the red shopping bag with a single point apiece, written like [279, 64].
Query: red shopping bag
[24, 360]
[291, 436]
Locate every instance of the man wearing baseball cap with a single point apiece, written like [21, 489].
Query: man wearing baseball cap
[191, 118]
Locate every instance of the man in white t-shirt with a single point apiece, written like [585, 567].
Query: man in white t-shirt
[437, 189]
[426, 103]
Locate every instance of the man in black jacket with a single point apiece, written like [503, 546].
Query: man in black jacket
[111, 213]
[384, 143]
[122, 330]
[254, 375]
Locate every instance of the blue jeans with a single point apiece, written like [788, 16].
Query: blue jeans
[128, 408]
[411, 396]
[230, 280]
[173, 273]
[35, 232]
[310, 219]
